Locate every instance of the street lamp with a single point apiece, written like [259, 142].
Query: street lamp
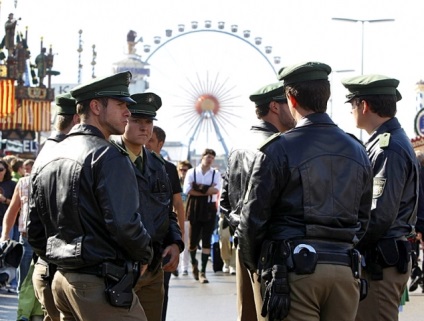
[362, 21]
[332, 85]
[362, 33]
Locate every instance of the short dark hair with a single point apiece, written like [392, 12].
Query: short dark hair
[8, 175]
[84, 106]
[16, 164]
[160, 133]
[382, 105]
[262, 110]
[208, 151]
[64, 121]
[311, 95]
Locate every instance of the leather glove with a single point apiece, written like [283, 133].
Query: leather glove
[277, 295]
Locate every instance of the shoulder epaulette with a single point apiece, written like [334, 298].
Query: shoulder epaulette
[159, 157]
[268, 141]
[384, 140]
[121, 150]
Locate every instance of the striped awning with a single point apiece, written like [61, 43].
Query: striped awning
[7, 97]
[30, 115]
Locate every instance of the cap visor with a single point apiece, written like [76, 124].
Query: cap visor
[128, 100]
[143, 116]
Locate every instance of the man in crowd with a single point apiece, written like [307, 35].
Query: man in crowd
[300, 217]
[83, 218]
[183, 167]
[202, 184]
[395, 195]
[274, 115]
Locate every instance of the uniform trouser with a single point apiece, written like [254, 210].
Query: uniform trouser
[383, 299]
[150, 292]
[43, 292]
[246, 303]
[82, 297]
[330, 293]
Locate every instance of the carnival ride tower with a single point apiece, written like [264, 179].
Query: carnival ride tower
[135, 65]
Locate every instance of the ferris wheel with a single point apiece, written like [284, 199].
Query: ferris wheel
[205, 75]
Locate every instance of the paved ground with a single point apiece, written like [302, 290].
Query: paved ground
[191, 301]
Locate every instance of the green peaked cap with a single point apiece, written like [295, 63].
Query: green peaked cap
[268, 93]
[374, 84]
[304, 71]
[65, 104]
[115, 86]
[146, 105]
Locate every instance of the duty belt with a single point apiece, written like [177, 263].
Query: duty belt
[334, 258]
[328, 252]
[100, 270]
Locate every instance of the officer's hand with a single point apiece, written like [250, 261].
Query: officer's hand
[173, 252]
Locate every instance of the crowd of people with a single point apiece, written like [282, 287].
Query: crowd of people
[313, 223]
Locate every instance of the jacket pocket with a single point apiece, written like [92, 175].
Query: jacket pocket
[67, 254]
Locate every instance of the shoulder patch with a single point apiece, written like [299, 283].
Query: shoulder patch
[159, 157]
[378, 187]
[384, 140]
[268, 141]
[121, 150]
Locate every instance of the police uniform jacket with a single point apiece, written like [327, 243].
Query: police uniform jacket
[83, 204]
[396, 184]
[312, 182]
[238, 168]
[155, 205]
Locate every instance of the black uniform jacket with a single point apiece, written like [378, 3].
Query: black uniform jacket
[83, 204]
[312, 182]
[155, 207]
[238, 169]
[396, 184]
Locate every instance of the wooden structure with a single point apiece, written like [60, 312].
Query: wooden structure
[25, 101]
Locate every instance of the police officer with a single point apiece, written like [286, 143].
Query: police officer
[155, 206]
[274, 115]
[83, 210]
[66, 118]
[307, 201]
[395, 194]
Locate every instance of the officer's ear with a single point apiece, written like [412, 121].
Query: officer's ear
[365, 106]
[273, 106]
[95, 106]
[292, 100]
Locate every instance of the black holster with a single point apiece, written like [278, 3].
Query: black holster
[119, 288]
[388, 253]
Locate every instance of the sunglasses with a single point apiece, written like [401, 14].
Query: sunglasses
[183, 169]
[2, 169]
